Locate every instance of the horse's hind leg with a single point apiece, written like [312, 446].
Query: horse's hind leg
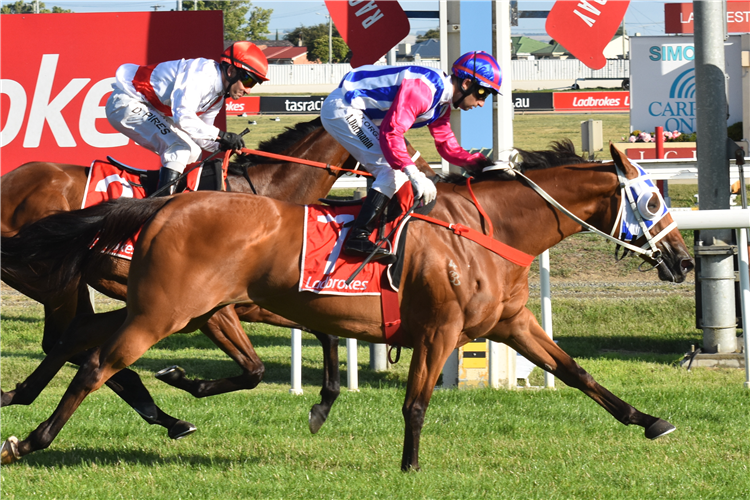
[225, 330]
[526, 336]
[331, 381]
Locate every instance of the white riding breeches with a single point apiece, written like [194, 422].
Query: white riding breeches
[353, 130]
[152, 130]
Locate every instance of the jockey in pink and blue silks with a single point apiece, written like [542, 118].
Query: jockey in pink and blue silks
[373, 108]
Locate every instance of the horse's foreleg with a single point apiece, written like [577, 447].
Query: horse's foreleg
[225, 330]
[426, 365]
[527, 337]
[82, 334]
[331, 381]
[125, 348]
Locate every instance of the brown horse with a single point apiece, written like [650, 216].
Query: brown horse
[259, 264]
[38, 189]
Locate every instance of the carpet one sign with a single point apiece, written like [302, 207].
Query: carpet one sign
[662, 82]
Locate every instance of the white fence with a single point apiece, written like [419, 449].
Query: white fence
[520, 70]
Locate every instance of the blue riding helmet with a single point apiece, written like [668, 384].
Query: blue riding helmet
[480, 67]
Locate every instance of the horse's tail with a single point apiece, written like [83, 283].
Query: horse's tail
[62, 244]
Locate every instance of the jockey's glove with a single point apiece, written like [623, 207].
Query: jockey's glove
[423, 187]
[230, 140]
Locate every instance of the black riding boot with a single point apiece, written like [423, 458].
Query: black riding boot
[167, 175]
[358, 243]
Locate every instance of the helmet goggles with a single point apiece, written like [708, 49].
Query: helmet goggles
[249, 80]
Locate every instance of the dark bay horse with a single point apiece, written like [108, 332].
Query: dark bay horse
[38, 189]
[259, 265]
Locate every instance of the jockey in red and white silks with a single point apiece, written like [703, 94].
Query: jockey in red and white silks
[169, 108]
[373, 108]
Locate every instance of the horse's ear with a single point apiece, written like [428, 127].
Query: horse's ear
[622, 161]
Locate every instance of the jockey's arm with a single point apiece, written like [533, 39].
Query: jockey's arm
[190, 88]
[412, 99]
[448, 147]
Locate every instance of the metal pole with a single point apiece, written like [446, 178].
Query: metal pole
[546, 291]
[296, 361]
[745, 296]
[453, 12]
[351, 365]
[717, 268]
[330, 49]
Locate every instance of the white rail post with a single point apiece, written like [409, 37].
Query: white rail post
[546, 291]
[351, 365]
[296, 361]
[745, 297]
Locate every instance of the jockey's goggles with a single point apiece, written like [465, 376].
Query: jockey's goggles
[481, 92]
[248, 79]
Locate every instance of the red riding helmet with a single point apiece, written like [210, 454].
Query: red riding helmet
[247, 57]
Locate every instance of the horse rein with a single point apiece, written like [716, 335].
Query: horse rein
[651, 253]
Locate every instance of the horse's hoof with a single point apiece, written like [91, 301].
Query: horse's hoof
[317, 418]
[181, 429]
[6, 398]
[659, 428]
[9, 452]
[171, 375]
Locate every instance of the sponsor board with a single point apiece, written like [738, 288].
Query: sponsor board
[617, 100]
[532, 101]
[662, 82]
[248, 105]
[291, 104]
[649, 153]
[679, 17]
[53, 90]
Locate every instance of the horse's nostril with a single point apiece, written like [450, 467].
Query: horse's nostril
[687, 265]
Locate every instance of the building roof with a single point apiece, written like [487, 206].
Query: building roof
[525, 45]
[429, 49]
[552, 49]
[289, 53]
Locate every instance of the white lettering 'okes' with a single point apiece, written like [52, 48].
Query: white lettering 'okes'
[45, 108]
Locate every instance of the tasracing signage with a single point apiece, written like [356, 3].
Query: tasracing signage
[54, 86]
[662, 82]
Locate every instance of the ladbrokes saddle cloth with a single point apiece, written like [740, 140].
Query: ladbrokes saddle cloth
[324, 267]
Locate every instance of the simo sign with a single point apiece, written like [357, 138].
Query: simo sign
[662, 82]
[53, 92]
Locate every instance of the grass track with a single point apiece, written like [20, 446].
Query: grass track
[476, 444]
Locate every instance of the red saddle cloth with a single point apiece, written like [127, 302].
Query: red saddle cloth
[324, 268]
[110, 182]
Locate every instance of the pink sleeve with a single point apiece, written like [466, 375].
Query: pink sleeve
[412, 99]
[448, 146]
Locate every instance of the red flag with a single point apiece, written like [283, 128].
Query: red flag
[585, 27]
[369, 27]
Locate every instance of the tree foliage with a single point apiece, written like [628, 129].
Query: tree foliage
[319, 52]
[433, 33]
[315, 38]
[237, 24]
[21, 7]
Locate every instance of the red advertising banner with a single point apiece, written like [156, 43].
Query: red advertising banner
[678, 17]
[646, 153]
[370, 28]
[248, 105]
[618, 100]
[585, 28]
[57, 71]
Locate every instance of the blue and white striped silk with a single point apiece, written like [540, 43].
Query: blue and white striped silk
[373, 89]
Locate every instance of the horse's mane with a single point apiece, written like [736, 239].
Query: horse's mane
[561, 152]
[278, 144]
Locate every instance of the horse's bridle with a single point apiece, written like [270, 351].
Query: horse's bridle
[648, 250]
